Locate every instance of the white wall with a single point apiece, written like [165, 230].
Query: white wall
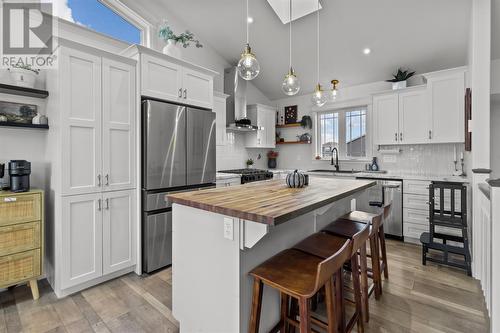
[495, 76]
[495, 138]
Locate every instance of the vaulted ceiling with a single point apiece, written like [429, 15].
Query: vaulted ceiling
[424, 35]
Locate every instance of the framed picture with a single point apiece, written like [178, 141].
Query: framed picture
[291, 114]
[468, 117]
[17, 112]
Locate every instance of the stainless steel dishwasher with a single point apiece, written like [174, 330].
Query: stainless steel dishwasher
[386, 191]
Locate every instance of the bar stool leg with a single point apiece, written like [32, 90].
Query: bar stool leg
[364, 282]
[293, 313]
[339, 297]
[284, 313]
[357, 292]
[256, 306]
[377, 275]
[305, 315]
[331, 308]
[384, 251]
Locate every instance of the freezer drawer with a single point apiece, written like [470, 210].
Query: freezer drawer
[157, 241]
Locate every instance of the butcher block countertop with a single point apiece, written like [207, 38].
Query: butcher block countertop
[271, 202]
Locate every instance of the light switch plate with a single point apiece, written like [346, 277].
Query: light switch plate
[228, 228]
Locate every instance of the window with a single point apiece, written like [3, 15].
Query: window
[109, 17]
[344, 129]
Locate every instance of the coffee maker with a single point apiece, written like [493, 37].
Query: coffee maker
[19, 172]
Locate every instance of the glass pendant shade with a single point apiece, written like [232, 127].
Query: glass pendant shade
[248, 66]
[318, 97]
[334, 92]
[291, 83]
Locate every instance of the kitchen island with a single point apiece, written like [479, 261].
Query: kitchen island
[219, 235]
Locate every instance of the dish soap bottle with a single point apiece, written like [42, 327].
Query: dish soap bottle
[374, 166]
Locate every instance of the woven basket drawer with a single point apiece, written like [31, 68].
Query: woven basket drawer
[19, 267]
[19, 238]
[20, 208]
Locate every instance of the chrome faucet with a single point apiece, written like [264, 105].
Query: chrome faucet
[337, 167]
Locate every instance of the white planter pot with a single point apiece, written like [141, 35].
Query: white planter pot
[23, 77]
[398, 85]
[173, 49]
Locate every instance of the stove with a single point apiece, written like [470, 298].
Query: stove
[250, 175]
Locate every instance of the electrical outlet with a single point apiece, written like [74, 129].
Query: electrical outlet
[228, 228]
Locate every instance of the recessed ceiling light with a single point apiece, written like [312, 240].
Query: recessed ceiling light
[250, 19]
[367, 51]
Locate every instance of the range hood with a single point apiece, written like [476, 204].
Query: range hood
[236, 103]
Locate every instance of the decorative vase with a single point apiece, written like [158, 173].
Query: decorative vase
[173, 49]
[296, 179]
[398, 85]
[271, 163]
[23, 77]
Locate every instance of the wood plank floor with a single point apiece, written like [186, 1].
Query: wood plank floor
[416, 299]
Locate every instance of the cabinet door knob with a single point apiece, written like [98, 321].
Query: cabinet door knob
[401, 136]
[107, 179]
[185, 93]
[99, 184]
[180, 92]
[395, 136]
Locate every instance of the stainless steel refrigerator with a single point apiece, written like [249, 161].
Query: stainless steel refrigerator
[178, 154]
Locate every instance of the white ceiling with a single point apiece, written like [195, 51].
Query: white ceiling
[424, 35]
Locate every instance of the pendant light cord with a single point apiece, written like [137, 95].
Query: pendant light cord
[290, 33]
[317, 63]
[248, 39]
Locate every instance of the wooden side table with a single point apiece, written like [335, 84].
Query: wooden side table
[21, 239]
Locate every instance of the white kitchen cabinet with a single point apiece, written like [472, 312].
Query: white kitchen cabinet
[386, 111]
[119, 105]
[414, 117]
[118, 230]
[446, 91]
[171, 79]
[81, 131]
[81, 235]
[220, 118]
[265, 118]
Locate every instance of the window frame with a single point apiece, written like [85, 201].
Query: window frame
[131, 17]
[342, 110]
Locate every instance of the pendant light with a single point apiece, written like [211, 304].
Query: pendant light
[248, 66]
[318, 97]
[291, 83]
[335, 91]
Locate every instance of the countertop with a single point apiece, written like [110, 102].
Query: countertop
[271, 202]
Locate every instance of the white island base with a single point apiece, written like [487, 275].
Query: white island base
[212, 291]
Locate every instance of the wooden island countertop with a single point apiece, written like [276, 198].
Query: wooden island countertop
[271, 202]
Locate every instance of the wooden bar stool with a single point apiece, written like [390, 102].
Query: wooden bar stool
[299, 275]
[323, 245]
[350, 229]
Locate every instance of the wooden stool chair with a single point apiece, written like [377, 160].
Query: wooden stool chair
[350, 229]
[323, 245]
[299, 275]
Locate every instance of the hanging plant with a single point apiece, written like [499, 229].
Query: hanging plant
[185, 38]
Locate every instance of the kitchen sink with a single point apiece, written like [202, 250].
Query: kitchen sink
[335, 171]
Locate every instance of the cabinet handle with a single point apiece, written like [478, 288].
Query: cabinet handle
[107, 203]
[185, 93]
[99, 181]
[401, 136]
[180, 92]
[430, 134]
[395, 136]
[107, 179]
[99, 204]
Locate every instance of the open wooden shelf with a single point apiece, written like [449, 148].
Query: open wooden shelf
[23, 91]
[288, 125]
[11, 124]
[292, 143]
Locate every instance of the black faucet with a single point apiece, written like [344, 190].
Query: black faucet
[337, 167]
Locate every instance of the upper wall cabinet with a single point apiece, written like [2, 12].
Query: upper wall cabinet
[220, 118]
[172, 79]
[265, 118]
[432, 113]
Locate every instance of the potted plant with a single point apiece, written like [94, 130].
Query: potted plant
[400, 78]
[249, 163]
[271, 159]
[24, 75]
[174, 42]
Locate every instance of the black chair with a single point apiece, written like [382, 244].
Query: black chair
[447, 219]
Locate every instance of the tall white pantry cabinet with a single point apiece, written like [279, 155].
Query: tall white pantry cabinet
[92, 206]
